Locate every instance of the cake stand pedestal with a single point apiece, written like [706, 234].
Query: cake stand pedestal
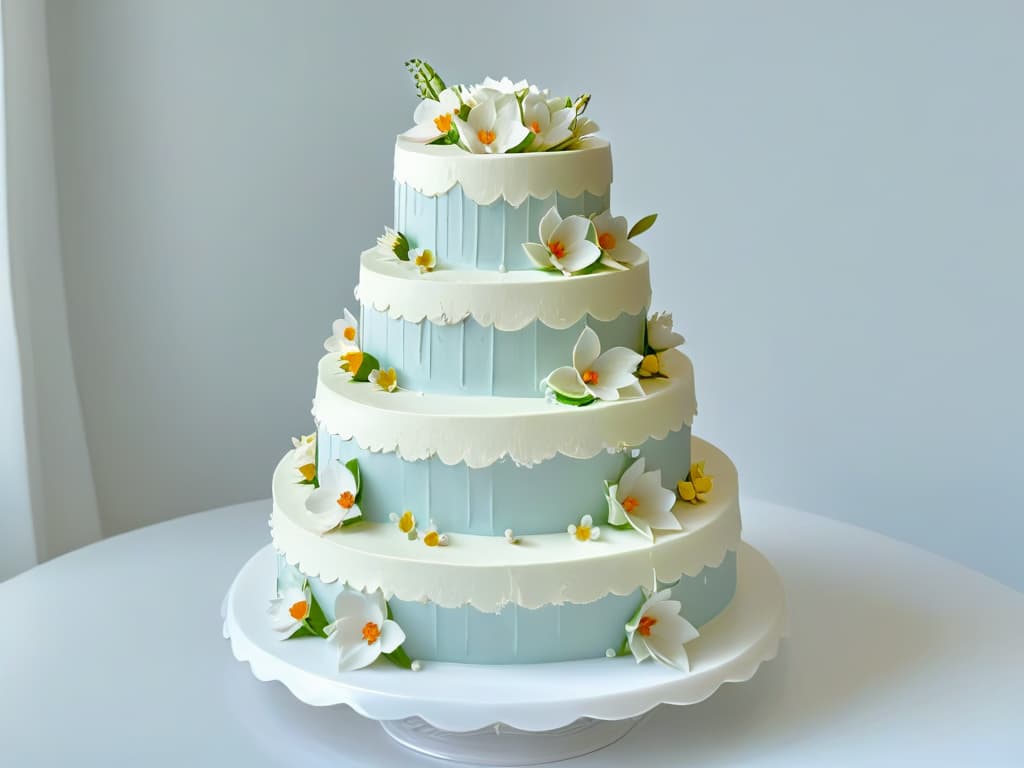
[510, 714]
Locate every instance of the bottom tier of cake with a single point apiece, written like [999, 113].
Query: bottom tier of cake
[518, 635]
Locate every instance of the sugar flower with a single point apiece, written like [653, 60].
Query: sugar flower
[393, 243]
[336, 500]
[432, 538]
[344, 333]
[304, 455]
[406, 523]
[586, 530]
[697, 485]
[569, 245]
[662, 359]
[434, 118]
[352, 361]
[658, 631]
[660, 335]
[640, 501]
[493, 126]
[289, 611]
[424, 259]
[617, 250]
[594, 375]
[385, 380]
[362, 630]
[548, 119]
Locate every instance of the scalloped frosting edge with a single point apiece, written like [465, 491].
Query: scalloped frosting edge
[506, 301]
[434, 170]
[629, 422]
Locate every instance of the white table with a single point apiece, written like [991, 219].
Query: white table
[113, 655]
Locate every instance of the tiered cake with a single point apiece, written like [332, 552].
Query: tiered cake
[502, 470]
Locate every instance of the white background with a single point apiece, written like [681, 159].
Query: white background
[841, 199]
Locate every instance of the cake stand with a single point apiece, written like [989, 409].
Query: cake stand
[510, 714]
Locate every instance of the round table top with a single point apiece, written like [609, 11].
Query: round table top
[114, 653]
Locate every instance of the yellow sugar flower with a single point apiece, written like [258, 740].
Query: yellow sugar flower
[386, 380]
[406, 523]
[696, 485]
[434, 539]
[352, 361]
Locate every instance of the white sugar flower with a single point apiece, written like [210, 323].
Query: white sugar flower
[640, 500]
[549, 122]
[505, 85]
[393, 243]
[568, 245]
[593, 374]
[659, 631]
[493, 126]
[344, 333]
[334, 501]
[584, 127]
[660, 335]
[434, 118]
[361, 630]
[586, 530]
[618, 251]
[290, 609]
[304, 455]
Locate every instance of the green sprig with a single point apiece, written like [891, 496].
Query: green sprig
[428, 83]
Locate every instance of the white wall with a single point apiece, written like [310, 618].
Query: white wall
[841, 189]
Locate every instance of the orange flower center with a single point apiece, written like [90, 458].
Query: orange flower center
[535, 126]
[607, 241]
[646, 622]
[590, 377]
[350, 333]
[629, 504]
[346, 500]
[556, 247]
[486, 137]
[583, 532]
[371, 633]
[299, 610]
[444, 122]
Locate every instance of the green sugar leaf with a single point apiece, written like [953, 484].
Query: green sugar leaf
[370, 363]
[642, 226]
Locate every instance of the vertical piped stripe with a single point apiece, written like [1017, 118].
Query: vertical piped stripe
[515, 630]
[469, 498]
[462, 355]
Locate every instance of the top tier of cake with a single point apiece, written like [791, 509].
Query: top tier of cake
[475, 211]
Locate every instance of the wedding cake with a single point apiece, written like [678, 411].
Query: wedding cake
[502, 470]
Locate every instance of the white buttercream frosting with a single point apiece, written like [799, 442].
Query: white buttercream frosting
[507, 300]
[433, 169]
[485, 572]
[481, 430]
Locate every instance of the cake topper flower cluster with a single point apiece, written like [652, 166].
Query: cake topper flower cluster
[495, 116]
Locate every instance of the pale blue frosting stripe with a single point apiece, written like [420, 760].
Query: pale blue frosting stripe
[545, 498]
[464, 234]
[470, 359]
[519, 635]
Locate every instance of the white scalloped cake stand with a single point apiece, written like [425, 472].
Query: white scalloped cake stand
[546, 712]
